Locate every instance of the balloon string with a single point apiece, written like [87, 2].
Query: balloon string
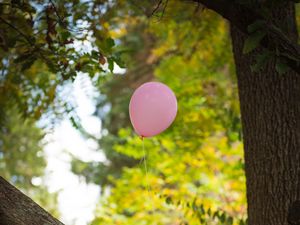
[145, 165]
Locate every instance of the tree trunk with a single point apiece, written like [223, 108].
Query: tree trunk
[17, 209]
[270, 110]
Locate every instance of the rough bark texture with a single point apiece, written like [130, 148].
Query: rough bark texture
[270, 109]
[18, 209]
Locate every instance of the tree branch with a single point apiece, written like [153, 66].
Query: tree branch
[241, 17]
[18, 209]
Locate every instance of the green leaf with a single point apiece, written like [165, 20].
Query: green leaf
[261, 60]
[242, 222]
[258, 24]
[22, 58]
[95, 54]
[253, 41]
[281, 67]
[28, 63]
[201, 209]
[106, 46]
[11, 41]
[110, 43]
[222, 217]
[169, 200]
[119, 61]
[65, 35]
[209, 212]
[110, 64]
[230, 221]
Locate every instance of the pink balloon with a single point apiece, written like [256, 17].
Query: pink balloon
[152, 108]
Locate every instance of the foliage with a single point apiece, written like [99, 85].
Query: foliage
[22, 158]
[21, 149]
[44, 44]
[58, 39]
[195, 169]
[112, 106]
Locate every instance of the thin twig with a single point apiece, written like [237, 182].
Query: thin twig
[57, 14]
[156, 8]
[164, 9]
[16, 29]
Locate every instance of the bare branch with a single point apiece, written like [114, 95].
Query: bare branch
[156, 8]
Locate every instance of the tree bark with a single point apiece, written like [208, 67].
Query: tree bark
[270, 110]
[18, 209]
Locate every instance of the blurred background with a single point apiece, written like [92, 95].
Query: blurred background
[68, 70]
